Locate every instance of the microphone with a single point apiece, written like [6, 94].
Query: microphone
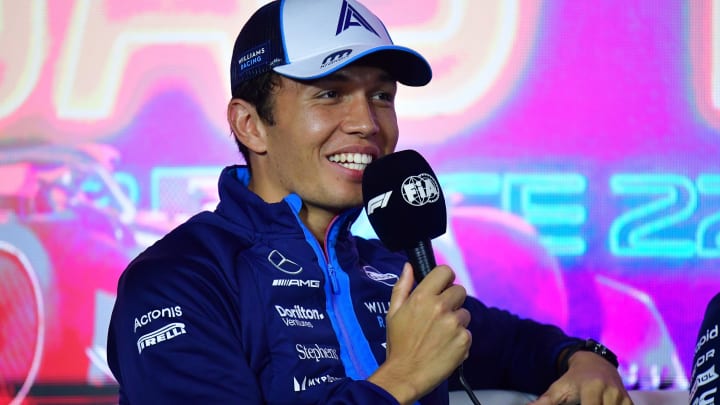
[405, 206]
[705, 380]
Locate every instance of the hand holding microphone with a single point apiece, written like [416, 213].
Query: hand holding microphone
[427, 334]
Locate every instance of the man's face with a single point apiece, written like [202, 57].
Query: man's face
[326, 131]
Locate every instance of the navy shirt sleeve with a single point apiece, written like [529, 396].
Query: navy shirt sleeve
[509, 352]
[171, 340]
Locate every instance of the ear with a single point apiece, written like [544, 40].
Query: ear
[246, 125]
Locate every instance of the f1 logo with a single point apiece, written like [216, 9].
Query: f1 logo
[380, 201]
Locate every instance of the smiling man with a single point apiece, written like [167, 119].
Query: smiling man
[271, 299]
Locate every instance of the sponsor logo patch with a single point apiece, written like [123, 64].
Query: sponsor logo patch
[282, 263]
[389, 279]
[703, 379]
[706, 398]
[167, 332]
[335, 57]
[377, 307]
[292, 282]
[167, 312]
[316, 352]
[299, 316]
[709, 335]
[309, 382]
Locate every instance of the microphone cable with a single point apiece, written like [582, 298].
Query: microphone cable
[422, 263]
[466, 386]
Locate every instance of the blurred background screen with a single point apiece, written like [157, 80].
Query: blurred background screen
[577, 143]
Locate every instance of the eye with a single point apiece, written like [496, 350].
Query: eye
[328, 94]
[384, 96]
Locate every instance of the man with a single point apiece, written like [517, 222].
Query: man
[270, 299]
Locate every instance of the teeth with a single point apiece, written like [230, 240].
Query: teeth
[355, 161]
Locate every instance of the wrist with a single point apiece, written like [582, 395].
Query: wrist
[588, 345]
[396, 383]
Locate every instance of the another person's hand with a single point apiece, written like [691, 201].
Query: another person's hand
[590, 380]
[427, 336]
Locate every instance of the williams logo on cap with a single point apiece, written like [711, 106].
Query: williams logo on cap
[253, 57]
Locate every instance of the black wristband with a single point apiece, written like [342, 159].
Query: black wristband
[588, 345]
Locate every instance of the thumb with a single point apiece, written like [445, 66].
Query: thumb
[401, 290]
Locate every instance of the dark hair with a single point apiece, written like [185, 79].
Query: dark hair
[257, 91]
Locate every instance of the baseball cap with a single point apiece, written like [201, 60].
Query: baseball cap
[310, 39]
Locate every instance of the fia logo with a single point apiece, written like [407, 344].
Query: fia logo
[350, 17]
[420, 190]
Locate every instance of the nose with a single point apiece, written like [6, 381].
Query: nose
[361, 118]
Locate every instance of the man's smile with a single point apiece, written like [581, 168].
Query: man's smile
[354, 161]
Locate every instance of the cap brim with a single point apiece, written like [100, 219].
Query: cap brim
[404, 64]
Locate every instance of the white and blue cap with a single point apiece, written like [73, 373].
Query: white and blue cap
[310, 39]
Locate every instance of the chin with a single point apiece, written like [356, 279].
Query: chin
[349, 203]
[349, 195]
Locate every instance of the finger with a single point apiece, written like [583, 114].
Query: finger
[464, 338]
[559, 393]
[616, 395]
[456, 322]
[592, 393]
[436, 281]
[454, 296]
[401, 290]
[543, 400]
[463, 317]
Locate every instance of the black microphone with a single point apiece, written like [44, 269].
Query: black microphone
[405, 206]
[705, 380]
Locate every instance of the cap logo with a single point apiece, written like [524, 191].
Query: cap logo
[335, 57]
[253, 57]
[350, 17]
